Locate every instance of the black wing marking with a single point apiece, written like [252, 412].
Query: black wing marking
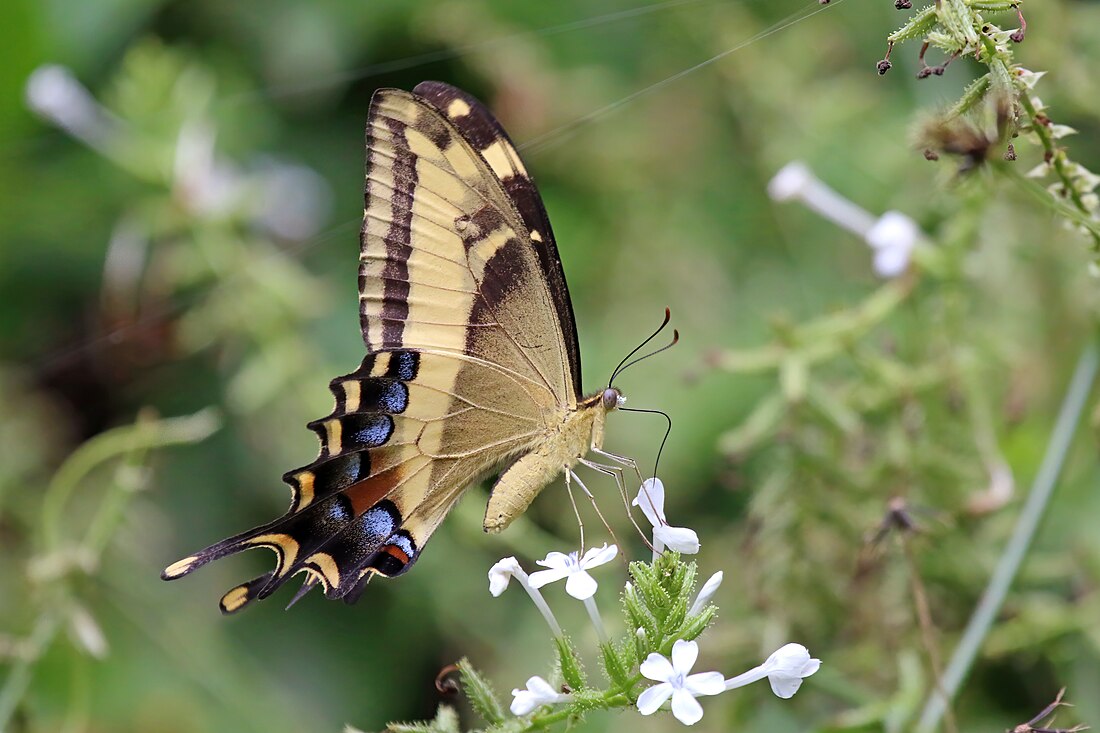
[482, 130]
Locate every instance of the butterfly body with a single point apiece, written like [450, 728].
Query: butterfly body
[472, 360]
[563, 444]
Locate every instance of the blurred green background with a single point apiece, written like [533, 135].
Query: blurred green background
[198, 248]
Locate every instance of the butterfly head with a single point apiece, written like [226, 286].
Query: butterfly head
[612, 399]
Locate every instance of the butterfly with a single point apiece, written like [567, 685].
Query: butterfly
[472, 359]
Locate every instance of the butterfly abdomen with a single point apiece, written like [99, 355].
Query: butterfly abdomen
[559, 449]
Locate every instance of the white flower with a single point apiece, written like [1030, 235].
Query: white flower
[651, 499]
[893, 235]
[675, 682]
[501, 573]
[293, 199]
[893, 238]
[538, 693]
[206, 186]
[506, 569]
[53, 93]
[580, 584]
[706, 593]
[785, 670]
[792, 181]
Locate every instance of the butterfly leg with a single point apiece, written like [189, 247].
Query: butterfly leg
[604, 470]
[625, 461]
[616, 473]
[569, 476]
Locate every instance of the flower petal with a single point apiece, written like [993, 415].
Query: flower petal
[791, 181]
[554, 560]
[651, 500]
[542, 577]
[542, 688]
[705, 683]
[680, 539]
[686, 708]
[598, 556]
[891, 262]
[580, 585]
[788, 659]
[785, 687]
[656, 667]
[538, 693]
[787, 666]
[684, 654]
[706, 593]
[523, 702]
[653, 698]
[501, 573]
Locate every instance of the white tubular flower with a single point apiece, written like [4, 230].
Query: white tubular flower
[538, 693]
[893, 236]
[676, 682]
[893, 239]
[792, 181]
[579, 583]
[785, 670]
[293, 199]
[501, 573]
[204, 185]
[706, 593]
[651, 499]
[54, 93]
[506, 569]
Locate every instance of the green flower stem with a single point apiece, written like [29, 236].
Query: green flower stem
[1042, 195]
[20, 675]
[1084, 376]
[1057, 160]
[609, 701]
[131, 443]
[825, 337]
[120, 441]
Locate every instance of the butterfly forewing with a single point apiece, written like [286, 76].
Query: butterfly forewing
[482, 131]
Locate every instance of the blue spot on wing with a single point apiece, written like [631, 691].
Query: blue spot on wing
[384, 395]
[369, 431]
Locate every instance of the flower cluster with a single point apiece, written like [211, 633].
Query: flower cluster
[662, 648]
[999, 105]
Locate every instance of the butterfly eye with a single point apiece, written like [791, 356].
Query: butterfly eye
[612, 398]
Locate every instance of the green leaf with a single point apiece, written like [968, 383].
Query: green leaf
[697, 624]
[918, 26]
[480, 693]
[614, 667]
[445, 721]
[572, 671]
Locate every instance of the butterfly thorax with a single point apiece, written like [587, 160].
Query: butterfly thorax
[560, 448]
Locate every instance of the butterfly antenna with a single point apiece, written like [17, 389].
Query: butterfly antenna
[668, 429]
[675, 340]
[639, 347]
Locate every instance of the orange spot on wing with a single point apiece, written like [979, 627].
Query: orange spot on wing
[397, 553]
[368, 492]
